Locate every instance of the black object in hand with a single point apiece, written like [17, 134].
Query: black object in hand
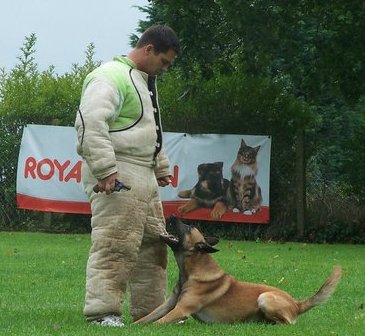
[119, 186]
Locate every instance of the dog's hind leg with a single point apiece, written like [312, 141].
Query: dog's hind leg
[184, 194]
[278, 308]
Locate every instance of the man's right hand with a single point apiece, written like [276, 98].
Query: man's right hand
[107, 184]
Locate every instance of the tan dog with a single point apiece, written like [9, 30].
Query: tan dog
[208, 294]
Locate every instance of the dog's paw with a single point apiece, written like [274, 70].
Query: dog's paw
[218, 211]
[216, 214]
[182, 209]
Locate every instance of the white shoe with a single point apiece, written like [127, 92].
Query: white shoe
[109, 321]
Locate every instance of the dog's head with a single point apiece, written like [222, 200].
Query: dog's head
[211, 174]
[188, 238]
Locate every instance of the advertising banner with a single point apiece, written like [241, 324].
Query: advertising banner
[49, 175]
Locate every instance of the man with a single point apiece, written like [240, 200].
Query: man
[120, 139]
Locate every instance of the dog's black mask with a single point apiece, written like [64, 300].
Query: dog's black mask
[179, 230]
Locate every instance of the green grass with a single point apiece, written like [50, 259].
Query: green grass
[42, 287]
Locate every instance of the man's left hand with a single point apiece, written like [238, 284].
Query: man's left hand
[164, 181]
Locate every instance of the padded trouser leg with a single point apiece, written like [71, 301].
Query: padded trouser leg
[148, 281]
[113, 254]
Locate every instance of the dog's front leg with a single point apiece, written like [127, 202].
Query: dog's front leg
[191, 205]
[185, 307]
[219, 209]
[175, 315]
[162, 309]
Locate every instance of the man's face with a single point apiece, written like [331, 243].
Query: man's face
[157, 63]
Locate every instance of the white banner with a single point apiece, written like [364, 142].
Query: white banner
[49, 171]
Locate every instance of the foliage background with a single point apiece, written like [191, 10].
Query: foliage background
[247, 67]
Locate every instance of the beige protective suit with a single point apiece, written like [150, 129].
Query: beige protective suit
[119, 130]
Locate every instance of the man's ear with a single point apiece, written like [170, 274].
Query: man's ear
[149, 48]
[205, 248]
[212, 241]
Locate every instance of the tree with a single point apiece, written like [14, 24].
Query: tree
[28, 96]
[315, 47]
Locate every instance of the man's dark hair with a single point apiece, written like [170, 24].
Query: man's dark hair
[162, 37]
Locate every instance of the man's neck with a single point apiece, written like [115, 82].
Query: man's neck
[136, 57]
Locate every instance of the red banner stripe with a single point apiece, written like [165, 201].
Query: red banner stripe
[170, 208]
[41, 204]
[261, 217]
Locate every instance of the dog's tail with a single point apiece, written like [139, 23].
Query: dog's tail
[323, 293]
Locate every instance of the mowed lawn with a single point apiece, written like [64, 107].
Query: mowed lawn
[42, 279]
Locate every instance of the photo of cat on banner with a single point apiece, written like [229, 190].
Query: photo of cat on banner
[238, 194]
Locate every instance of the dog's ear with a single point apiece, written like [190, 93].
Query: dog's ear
[212, 241]
[201, 168]
[219, 164]
[205, 248]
